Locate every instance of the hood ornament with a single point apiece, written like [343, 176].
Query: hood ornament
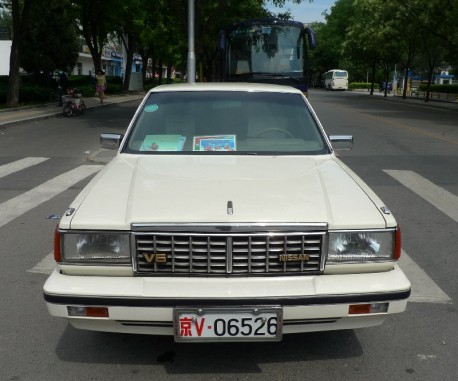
[230, 208]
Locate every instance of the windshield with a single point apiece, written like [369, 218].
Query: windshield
[225, 122]
[340, 74]
[268, 49]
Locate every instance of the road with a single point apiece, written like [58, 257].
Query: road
[408, 153]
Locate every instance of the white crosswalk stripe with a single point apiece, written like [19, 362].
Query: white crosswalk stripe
[45, 266]
[19, 165]
[424, 289]
[15, 207]
[442, 199]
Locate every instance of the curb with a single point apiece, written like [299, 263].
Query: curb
[4, 125]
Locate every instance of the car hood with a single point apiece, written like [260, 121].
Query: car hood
[153, 189]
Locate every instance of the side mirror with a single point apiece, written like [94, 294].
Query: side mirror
[341, 142]
[110, 141]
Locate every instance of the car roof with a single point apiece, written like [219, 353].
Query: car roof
[226, 86]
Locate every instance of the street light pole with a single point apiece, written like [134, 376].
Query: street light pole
[191, 76]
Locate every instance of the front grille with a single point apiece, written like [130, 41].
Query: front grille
[194, 254]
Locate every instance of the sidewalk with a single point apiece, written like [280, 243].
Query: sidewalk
[19, 115]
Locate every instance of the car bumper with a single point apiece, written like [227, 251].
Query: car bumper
[145, 305]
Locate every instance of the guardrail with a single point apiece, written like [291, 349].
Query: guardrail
[445, 97]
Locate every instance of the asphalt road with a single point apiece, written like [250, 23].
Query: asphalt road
[408, 153]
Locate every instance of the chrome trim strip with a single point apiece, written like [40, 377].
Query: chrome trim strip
[228, 227]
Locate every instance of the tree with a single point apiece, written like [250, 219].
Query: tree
[20, 13]
[96, 20]
[331, 35]
[52, 42]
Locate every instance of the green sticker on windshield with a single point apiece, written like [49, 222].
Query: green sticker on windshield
[151, 108]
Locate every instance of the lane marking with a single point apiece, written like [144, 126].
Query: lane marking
[45, 266]
[442, 199]
[424, 289]
[19, 165]
[15, 207]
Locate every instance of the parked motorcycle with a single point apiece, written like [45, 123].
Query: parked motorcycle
[73, 103]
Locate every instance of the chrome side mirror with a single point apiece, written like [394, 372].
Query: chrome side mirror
[341, 142]
[110, 141]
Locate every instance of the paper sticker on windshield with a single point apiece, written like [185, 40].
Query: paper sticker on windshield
[151, 108]
[215, 143]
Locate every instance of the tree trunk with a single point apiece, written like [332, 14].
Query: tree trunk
[12, 98]
[20, 21]
[428, 86]
[373, 77]
[169, 73]
[386, 81]
[160, 71]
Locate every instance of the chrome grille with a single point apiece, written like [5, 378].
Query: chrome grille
[250, 253]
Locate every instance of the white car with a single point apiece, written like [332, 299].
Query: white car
[225, 215]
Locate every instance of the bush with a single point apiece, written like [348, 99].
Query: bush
[114, 88]
[32, 88]
[448, 89]
[3, 89]
[80, 81]
[34, 93]
[359, 85]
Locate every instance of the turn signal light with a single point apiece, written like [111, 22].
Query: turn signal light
[397, 245]
[57, 254]
[100, 312]
[372, 308]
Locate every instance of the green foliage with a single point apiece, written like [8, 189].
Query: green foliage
[448, 89]
[51, 42]
[80, 81]
[34, 93]
[86, 84]
[372, 36]
[3, 80]
[3, 89]
[359, 85]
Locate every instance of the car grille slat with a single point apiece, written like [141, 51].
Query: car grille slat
[240, 254]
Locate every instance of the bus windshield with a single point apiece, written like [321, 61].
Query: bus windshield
[266, 49]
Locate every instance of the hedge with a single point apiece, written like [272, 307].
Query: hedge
[448, 89]
[33, 88]
[30, 93]
[359, 85]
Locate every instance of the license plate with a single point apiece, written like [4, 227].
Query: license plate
[228, 324]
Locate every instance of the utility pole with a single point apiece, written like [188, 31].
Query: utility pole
[191, 76]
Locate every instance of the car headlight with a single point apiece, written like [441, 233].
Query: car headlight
[363, 246]
[94, 248]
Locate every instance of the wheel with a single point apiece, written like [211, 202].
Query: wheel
[267, 130]
[68, 110]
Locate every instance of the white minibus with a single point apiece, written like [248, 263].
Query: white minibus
[336, 80]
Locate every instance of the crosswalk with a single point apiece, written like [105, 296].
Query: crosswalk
[424, 289]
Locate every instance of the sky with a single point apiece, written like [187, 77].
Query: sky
[307, 12]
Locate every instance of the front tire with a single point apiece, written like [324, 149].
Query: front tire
[68, 110]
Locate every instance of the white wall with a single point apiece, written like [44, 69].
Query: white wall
[5, 51]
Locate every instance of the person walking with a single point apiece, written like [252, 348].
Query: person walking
[100, 84]
[63, 85]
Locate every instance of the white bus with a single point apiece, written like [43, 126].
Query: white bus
[336, 80]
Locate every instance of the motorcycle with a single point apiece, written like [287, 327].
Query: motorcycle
[73, 103]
